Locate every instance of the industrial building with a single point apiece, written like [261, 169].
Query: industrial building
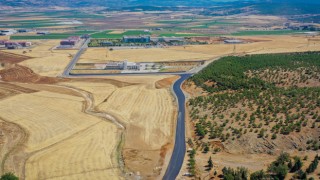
[233, 41]
[171, 39]
[23, 30]
[7, 32]
[2, 42]
[16, 45]
[106, 43]
[43, 32]
[71, 41]
[122, 65]
[85, 36]
[136, 39]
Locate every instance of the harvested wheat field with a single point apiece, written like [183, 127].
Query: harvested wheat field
[44, 60]
[54, 143]
[267, 44]
[18, 73]
[140, 55]
[147, 110]
[61, 137]
[260, 45]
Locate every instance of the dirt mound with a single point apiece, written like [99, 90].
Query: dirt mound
[11, 58]
[18, 73]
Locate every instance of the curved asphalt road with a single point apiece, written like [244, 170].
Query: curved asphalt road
[179, 150]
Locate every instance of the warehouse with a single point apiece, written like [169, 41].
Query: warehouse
[16, 45]
[7, 32]
[233, 41]
[122, 65]
[71, 41]
[136, 39]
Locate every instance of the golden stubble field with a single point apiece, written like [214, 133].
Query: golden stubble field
[265, 44]
[62, 141]
[147, 110]
[59, 140]
[46, 61]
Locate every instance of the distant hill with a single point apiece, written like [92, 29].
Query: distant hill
[123, 3]
[275, 7]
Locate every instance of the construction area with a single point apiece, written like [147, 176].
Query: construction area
[50, 142]
[125, 67]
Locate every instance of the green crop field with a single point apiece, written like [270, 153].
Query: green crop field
[32, 23]
[28, 24]
[102, 34]
[106, 34]
[175, 21]
[180, 35]
[216, 23]
[51, 36]
[275, 32]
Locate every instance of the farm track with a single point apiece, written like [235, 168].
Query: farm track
[23, 138]
[88, 108]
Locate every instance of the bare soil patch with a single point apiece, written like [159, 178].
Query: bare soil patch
[166, 83]
[19, 73]
[6, 57]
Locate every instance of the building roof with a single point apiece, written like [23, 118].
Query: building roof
[146, 36]
[233, 41]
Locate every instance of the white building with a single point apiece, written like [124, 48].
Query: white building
[122, 65]
[233, 41]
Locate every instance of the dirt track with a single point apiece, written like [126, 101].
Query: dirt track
[18, 151]
[36, 93]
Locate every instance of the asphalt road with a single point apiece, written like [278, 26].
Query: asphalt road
[179, 150]
[75, 59]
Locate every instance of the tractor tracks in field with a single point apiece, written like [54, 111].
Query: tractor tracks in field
[90, 108]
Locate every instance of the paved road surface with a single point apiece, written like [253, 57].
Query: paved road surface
[179, 150]
[75, 59]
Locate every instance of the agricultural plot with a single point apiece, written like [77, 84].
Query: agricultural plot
[68, 144]
[28, 24]
[177, 34]
[140, 55]
[148, 115]
[58, 14]
[108, 34]
[216, 23]
[50, 36]
[92, 150]
[41, 22]
[257, 33]
[44, 60]
[182, 21]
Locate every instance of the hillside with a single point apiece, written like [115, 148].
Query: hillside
[124, 3]
[257, 104]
